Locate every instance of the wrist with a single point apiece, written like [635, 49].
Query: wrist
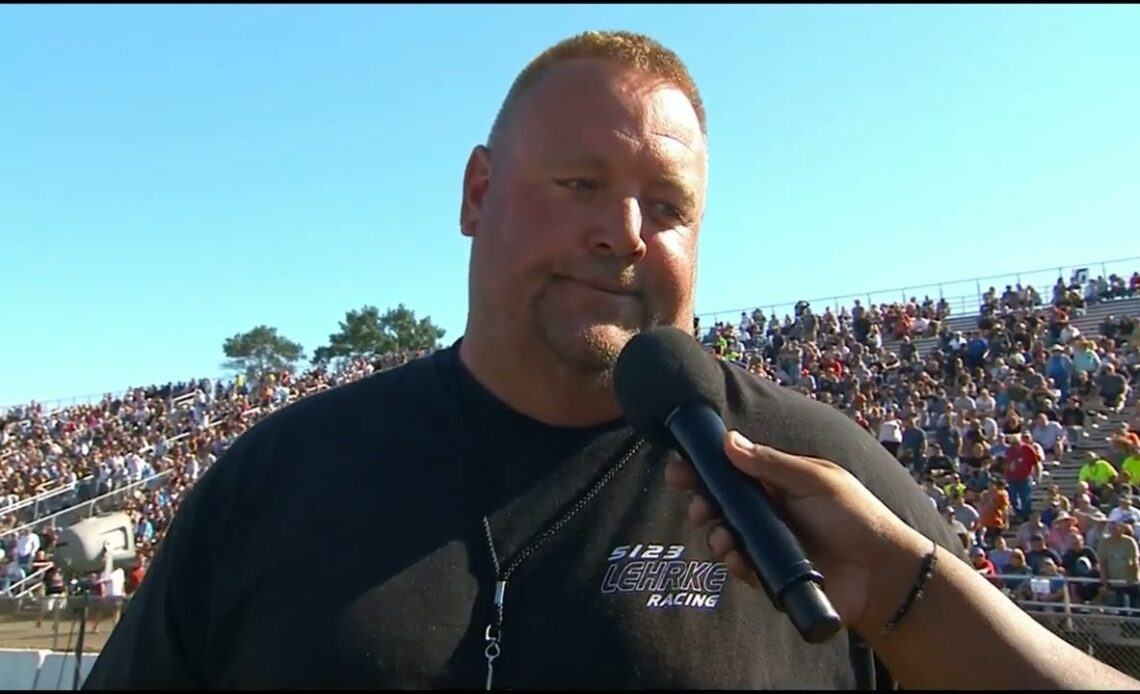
[892, 579]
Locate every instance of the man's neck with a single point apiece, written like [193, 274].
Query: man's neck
[535, 384]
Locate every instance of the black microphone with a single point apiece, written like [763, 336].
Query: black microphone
[672, 392]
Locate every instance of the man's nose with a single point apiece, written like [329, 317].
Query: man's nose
[618, 230]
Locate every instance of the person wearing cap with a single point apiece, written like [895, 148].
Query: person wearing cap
[965, 514]
[1060, 369]
[961, 531]
[1098, 528]
[1080, 561]
[1062, 526]
[984, 566]
[1053, 507]
[1125, 512]
[1040, 551]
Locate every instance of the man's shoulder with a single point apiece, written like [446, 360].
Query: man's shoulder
[374, 402]
[786, 419]
[344, 424]
[791, 422]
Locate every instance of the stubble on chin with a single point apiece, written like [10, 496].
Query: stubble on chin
[589, 350]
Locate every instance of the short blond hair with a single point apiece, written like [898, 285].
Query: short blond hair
[632, 50]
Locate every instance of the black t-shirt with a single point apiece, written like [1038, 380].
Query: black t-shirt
[1034, 557]
[1070, 558]
[1073, 417]
[340, 544]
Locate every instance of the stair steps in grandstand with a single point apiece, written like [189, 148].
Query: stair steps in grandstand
[1066, 474]
[1097, 441]
[1088, 324]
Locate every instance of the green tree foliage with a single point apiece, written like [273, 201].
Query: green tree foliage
[260, 350]
[367, 332]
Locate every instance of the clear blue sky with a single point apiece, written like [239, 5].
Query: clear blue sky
[172, 175]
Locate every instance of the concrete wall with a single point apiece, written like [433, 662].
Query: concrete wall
[40, 670]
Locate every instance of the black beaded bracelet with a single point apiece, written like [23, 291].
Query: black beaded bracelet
[924, 574]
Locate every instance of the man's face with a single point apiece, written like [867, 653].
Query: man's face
[585, 217]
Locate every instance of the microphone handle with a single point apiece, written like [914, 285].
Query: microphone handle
[791, 582]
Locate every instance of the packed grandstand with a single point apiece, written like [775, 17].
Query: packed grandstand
[1018, 419]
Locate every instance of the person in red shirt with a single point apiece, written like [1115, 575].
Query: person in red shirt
[135, 576]
[1022, 469]
[983, 565]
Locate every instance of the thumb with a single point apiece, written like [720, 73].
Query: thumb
[785, 474]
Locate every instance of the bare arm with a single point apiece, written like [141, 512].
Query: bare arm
[961, 633]
[962, 618]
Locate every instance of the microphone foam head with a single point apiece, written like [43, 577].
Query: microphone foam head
[659, 370]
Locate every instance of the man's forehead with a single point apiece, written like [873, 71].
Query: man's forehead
[583, 104]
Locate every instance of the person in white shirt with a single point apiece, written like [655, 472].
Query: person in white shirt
[1125, 512]
[890, 433]
[984, 404]
[1050, 435]
[26, 547]
[114, 593]
[1069, 333]
[990, 429]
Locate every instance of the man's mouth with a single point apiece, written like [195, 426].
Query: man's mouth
[612, 289]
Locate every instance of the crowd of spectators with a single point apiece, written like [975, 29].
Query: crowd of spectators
[979, 420]
[984, 416]
[140, 452]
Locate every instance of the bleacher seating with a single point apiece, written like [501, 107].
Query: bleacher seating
[142, 450]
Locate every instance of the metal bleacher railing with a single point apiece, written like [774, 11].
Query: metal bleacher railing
[59, 404]
[1109, 633]
[963, 296]
[59, 502]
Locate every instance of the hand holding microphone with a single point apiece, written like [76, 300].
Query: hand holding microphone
[673, 392]
[876, 566]
[865, 551]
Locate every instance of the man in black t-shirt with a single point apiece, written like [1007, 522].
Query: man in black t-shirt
[509, 528]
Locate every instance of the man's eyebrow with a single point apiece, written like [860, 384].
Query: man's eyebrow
[679, 184]
[575, 160]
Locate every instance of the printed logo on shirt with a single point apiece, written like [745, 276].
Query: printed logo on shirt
[662, 575]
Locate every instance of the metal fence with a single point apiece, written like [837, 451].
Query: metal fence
[110, 501]
[1105, 627]
[964, 296]
[1112, 639]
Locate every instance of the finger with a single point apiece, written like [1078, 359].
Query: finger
[738, 566]
[724, 548]
[680, 474]
[783, 473]
[701, 511]
[721, 542]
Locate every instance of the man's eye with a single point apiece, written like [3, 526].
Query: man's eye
[670, 211]
[579, 184]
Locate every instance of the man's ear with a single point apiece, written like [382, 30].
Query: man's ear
[476, 183]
